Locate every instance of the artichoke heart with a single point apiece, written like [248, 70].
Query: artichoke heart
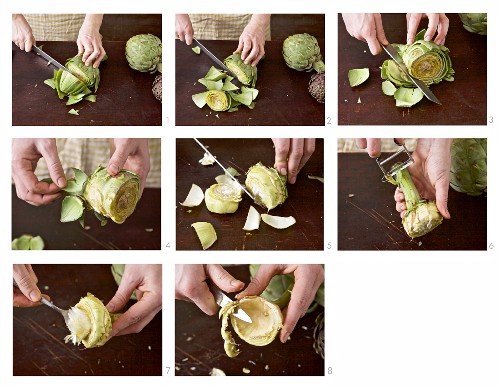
[218, 101]
[89, 322]
[266, 185]
[246, 73]
[223, 198]
[266, 317]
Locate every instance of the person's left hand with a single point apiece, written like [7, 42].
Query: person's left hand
[308, 278]
[430, 173]
[131, 154]
[438, 22]
[146, 280]
[291, 154]
[89, 41]
[252, 40]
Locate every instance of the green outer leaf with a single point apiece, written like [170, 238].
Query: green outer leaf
[279, 222]
[194, 197]
[406, 97]
[206, 234]
[200, 99]
[196, 50]
[37, 243]
[358, 76]
[74, 112]
[253, 220]
[72, 208]
[22, 243]
[91, 98]
[388, 88]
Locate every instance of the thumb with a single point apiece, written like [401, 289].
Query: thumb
[118, 159]
[55, 168]
[26, 284]
[121, 296]
[223, 279]
[442, 198]
[259, 282]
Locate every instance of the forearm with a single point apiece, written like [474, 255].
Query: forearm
[94, 20]
[261, 19]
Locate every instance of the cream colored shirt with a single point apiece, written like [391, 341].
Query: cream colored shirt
[388, 145]
[49, 27]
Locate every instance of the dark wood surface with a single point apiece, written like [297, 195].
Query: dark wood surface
[463, 100]
[124, 96]
[38, 339]
[284, 25]
[131, 235]
[199, 346]
[369, 220]
[121, 27]
[283, 92]
[304, 203]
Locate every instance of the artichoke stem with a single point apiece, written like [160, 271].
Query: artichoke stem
[406, 184]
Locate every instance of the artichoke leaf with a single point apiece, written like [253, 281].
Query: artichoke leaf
[206, 234]
[194, 197]
[72, 208]
[358, 76]
[253, 220]
[278, 222]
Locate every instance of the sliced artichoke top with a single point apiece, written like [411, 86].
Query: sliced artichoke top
[246, 73]
[302, 52]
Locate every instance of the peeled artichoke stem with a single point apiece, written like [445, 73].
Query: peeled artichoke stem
[406, 184]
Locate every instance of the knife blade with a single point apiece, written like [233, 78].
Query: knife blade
[221, 299]
[225, 170]
[52, 61]
[216, 60]
[391, 51]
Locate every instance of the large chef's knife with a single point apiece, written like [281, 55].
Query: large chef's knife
[221, 299]
[391, 51]
[52, 61]
[225, 170]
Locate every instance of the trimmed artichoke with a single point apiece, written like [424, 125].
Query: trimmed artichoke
[421, 216]
[267, 321]
[266, 185]
[317, 87]
[301, 52]
[143, 53]
[89, 322]
[223, 198]
[218, 101]
[246, 73]
[475, 22]
[469, 165]
[157, 87]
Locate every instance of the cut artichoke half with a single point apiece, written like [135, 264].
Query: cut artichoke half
[266, 185]
[267, 320]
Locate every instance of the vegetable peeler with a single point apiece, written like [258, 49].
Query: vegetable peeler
[395, 169]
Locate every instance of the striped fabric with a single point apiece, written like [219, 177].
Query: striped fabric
[388, 145]
[49, 27]
[221, 26]
[87, 153]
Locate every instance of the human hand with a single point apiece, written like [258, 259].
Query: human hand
[291, 154]
[184, 28]
[430, 173]
[253, 39]
[146, 280]
[26, 293]
[308, 278]
[25, 155]
[22, 35]
[373, 145]
[368, 28]
[437, 22]
[191, 285]
[89, 40]
[131, 154]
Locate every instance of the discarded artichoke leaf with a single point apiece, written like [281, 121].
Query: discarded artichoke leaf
[253, 220]
[254, 92]
[74, 112]
[228, 85]
[28, 242]
[223, 179]
[223, 198]
[407, 97]
[214, 74]
[233, 172]
[91, 98]
[312, 177]
[245, 98]
[72, 208]
[206, 234]
[388, 88]
[279, 222]
[207, 159]
[37, 243]
[196, 50]
[212, 85]
[200, 99]
[358, 76]
[194, 197]
[217, 372]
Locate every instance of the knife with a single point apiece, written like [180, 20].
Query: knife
[391, 51]
[221, 299]
[225, 170]
[216, 60]
[51, 60]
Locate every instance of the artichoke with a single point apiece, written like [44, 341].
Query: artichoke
[76, 87]
[317, 87]
[267, 321]
[301, 52]
[157, 87]
[421, 216]
[223, 198]
[319, 335]
[246, 73]
[218, 101]
[469, 165]
[28, 242]
[266, 185]
[475, 22]
[143, 53]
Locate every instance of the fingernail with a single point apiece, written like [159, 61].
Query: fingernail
[284, 337]
[293, 180]
[61, 182]
[113, 169]
[35, 295]
[235, 283]
[283, 171]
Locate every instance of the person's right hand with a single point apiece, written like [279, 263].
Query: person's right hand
[26, 293]
[22, 35]
[373, 145]
[191, 285]
[368, 28]
[291, 154]
[25, 155]
[184, 28]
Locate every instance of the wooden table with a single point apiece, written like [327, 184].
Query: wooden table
[463, 101]
[124, 96]
[141, 231]
[199, 346]
[304, 203]
[369, 220]
[283, 92]
[38, 345]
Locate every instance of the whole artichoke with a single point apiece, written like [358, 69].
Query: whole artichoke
[468, 165]
[143, 53]
[317, 87]
[246, 73]
[157, 87]
[475, 22]
[301, 52]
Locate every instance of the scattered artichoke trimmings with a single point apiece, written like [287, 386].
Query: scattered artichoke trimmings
[28, 242]
[206, 234]
[266, 317]
[358, 76]
[278, 222]
[194, 197]
[253, 220]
